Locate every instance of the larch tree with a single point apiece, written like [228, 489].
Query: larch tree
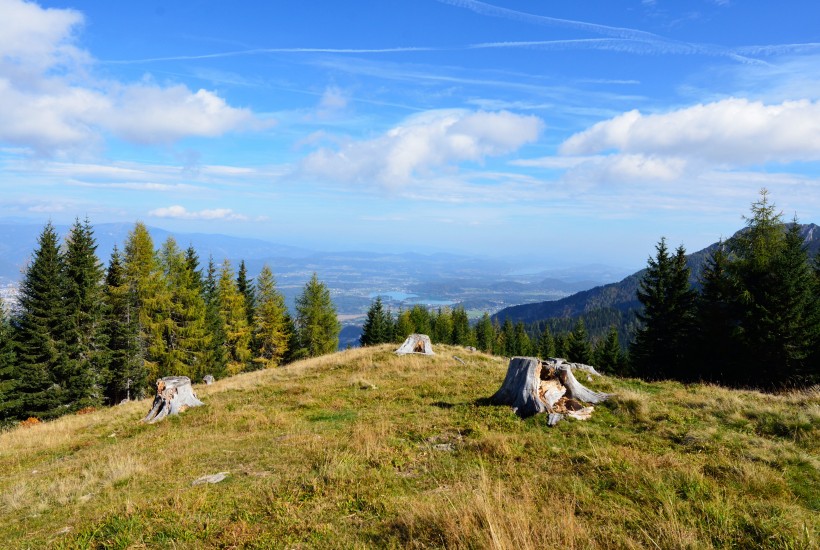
[125, 376]
[404, 326]
[234, 320]
[41, 329]
[270, 325]
[316, 320]
[85, 339]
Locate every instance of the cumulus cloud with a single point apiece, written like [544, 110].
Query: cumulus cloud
[731, 132]
[181, 213]
[51, 104]
[423, 143]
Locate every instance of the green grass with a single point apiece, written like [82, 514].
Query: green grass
[364, 449]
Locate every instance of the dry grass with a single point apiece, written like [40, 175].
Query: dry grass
[363, 449]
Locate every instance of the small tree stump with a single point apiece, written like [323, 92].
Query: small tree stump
[174, 395]
[531, 387]
[208, 379]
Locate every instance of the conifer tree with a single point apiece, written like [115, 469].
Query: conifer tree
[660, 349]
[404, 326]
[192, 261]
[509, 346]
[485, 335]
[607, 354]
[442, 323]
[577, 344]
[316, 320]
[270, 321]
[248, 291]
[9, 401]
[523, 345]
[85, 343]
[546, 343]
[216, 358]
[125, 375]
[234, 319]
[420, 318]
[378, 326]
[461, 327]
[42, 325]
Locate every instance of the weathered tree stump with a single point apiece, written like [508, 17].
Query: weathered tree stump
[416, 343]
[208, 379]
[174, 395]
[531, 387]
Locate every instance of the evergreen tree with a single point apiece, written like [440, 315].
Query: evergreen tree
[378, 327]
[85, 342]
[270, 320]
[125, 375]
[485, 335]
[561, 346]
[508, 344]
[234, 319]
[661, 344]
[577, 344]
[9, 401]
[248, 290]
[42, 326]
[546, 343]
[192, 261]
[461, 327]
[718, 356]
[216, 357]
[522, 346]
[442, 324]
[420, 318]
[608, 353]
[316, 320]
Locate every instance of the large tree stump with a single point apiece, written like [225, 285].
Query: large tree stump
[531, 387]
[416, 343]
[174, 395]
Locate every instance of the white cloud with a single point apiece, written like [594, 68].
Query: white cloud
[181, 213]
[731, 132]
[52, 105]
[423, 143]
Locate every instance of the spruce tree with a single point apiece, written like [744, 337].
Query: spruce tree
[461, 327]
[420, 318]
[85, 342]
[316, 320]
[404, 327]
[577, 345]
[661, 346]
[485, 335]
[234, 319]
[125, 376]
[546, 343]
[607, 354]
[216, 357]
[270, 321]
[523, 345]
[442, 323]
[248, 291]
[509, 345]
[378, 326]
[42, 327]
[9, 401]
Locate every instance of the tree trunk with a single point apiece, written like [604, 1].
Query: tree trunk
[174, 395]
[531, 387]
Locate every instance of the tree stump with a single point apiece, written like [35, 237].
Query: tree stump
[416, 343]
[531, 387]
[208, 379]
[174, 395]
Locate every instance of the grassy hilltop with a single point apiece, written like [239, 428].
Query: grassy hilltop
[366, 449]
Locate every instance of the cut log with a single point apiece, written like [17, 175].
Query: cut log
[531, 387]
[174, 395]
[416, 343]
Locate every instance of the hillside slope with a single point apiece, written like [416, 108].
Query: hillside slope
[621, 296]
[366, 449]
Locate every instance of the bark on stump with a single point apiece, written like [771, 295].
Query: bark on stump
[174, 395]
[531, 387]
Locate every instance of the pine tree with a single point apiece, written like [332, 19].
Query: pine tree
[125, 376]
[85, 342]
[577, 345]
[234, 319]
[316, 320]
[270, 321]
[607, 354]
[378, 326]
[42, 326]
[484, 333]
[9, 401]
[216, 357]
[546, 343]
[660, 349]
[461, 328]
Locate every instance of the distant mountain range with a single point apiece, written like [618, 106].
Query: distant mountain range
[621, 296]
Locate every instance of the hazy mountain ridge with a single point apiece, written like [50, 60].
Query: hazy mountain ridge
[622, 295]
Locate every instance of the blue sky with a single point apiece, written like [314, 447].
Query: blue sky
[555, 132]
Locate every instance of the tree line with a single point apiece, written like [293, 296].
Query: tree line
[84, 335]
